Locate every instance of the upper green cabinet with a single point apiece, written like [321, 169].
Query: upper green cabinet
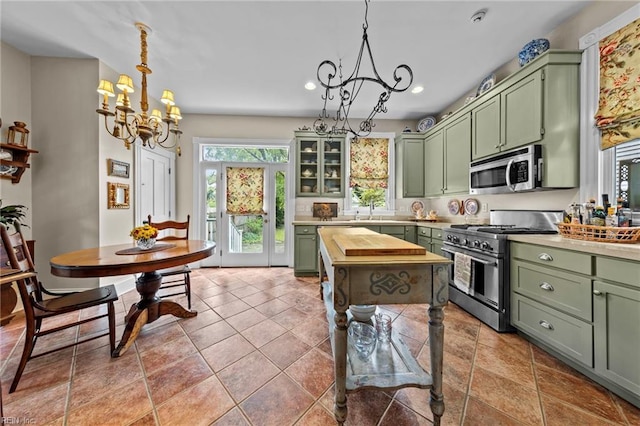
[319, 165]
[410, 165]
[538, 104]
[447, 156]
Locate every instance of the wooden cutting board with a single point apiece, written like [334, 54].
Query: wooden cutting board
[375, 245]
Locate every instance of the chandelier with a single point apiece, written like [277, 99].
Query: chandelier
[129, 126]
[349, 88]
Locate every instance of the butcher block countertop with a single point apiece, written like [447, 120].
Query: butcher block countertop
[329, 234]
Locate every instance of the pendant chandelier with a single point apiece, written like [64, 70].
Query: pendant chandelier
[349, 88]
[129, 126]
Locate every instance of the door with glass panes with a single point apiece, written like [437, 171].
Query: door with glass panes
[245, 213]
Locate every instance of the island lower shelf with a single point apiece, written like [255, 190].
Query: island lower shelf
[391, 366]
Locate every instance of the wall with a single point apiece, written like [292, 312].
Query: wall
[15, 105]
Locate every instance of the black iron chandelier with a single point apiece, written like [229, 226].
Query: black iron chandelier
[348, 90]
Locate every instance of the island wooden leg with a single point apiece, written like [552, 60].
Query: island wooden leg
[340, 365]
[436, 346]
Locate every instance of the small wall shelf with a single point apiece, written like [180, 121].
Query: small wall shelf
[20, 160]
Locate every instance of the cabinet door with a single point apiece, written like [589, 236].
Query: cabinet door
[305, 254]
[433, 164]
[486, 134]
[522, 112]
[616, 312]
[457, 153]
[308, 167]
[412, 168]
[332, 167]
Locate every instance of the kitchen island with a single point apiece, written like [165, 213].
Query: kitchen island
[382, 279]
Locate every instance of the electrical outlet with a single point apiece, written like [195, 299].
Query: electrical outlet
[485, 207]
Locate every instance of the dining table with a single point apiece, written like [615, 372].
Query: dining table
[123, 259]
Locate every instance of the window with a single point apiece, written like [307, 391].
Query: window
[364, 185]
[627, 167]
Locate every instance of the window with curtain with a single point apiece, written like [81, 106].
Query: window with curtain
[370, 173]
[245, 190]
[618, 115]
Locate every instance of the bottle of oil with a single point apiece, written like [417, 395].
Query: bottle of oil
[599, 216]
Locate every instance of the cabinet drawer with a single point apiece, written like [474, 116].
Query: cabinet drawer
[424, 232]
[396, 231]
[572, 337]
[567, 292]
[550, 256]
[617, 270]
[436, 233]
[306, 230]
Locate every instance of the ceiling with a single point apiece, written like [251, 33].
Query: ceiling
[254, 57]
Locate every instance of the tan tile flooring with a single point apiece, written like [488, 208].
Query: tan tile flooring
[258, 354]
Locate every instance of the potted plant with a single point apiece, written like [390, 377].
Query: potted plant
[15, 213]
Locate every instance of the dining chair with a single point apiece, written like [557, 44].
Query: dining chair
[179, 276]
[40, 304]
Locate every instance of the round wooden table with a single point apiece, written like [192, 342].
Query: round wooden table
[105, 262]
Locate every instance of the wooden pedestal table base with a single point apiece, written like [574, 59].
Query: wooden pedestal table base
[105, 261]
[147, 310]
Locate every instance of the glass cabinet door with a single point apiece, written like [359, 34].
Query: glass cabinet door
[308, 166]
[320, 166]
[333, 167]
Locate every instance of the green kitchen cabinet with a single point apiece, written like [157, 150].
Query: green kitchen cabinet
[404, 232]
[305, 258]
[319, 165]
[616, 310]
[434, 164]
[430, 238]
[447, 156]
[410, 166]
[540, 103]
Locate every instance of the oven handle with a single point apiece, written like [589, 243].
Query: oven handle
[475, 259]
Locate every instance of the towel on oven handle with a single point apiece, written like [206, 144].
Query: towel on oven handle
[462, 272]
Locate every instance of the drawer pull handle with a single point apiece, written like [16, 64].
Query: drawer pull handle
[305, 230]
[597, 292]
[545, 324]
[546, 257]
[547, 286]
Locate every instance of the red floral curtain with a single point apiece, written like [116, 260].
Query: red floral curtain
[369, 163]
[618, 113]
[245, 190]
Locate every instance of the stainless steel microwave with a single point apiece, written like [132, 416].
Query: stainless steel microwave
[517, 170]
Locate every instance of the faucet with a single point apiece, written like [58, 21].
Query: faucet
[371, 210]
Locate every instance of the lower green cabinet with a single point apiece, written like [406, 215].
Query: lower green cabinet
[430, 238]
[305, 257]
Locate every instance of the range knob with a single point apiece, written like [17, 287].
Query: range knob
[465, 242]
[485, 246]
[476, 243]
[455, 239]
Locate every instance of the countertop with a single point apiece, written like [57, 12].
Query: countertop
[617, 250]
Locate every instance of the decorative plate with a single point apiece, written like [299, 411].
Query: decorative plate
[453, 206]
[471, 206]
[531, 50]
[417, 205]
[486, 84]
[426, 123]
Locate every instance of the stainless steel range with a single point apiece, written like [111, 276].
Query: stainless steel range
[484, 292]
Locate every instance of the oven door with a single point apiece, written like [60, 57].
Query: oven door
[486, 276]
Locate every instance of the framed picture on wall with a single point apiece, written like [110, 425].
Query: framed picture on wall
[117, 168]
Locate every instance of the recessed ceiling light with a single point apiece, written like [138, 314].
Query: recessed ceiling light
[310, 85]
[417, 89]
[478, 16]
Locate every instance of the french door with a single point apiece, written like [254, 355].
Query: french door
[253, 239]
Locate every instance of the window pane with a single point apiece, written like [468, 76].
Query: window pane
[250, 154]
[628, 173]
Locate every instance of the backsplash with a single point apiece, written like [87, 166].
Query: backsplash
[543, 200]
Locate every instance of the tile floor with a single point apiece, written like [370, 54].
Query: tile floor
[258, 354]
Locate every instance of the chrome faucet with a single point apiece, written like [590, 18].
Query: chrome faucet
[371, 210]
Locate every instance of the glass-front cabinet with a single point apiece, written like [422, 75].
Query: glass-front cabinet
[319, 165]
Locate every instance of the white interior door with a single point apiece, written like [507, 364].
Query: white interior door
[155, 185]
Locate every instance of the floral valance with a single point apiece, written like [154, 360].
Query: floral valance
[369, 163]
[618, 113]
[245, 190]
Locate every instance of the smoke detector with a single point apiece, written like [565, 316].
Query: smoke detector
[478, 16]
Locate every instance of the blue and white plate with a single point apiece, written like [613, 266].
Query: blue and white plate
[486, 84]
[426, 123]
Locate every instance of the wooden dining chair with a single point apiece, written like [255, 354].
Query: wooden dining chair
[178, 277]
[40, 304]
